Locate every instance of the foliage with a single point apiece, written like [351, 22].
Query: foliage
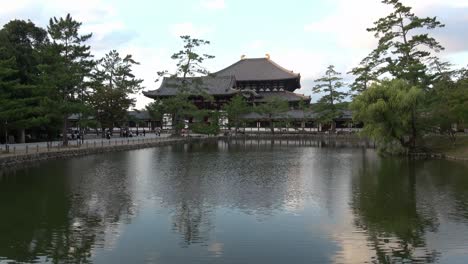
[235, 109]
[208, 127]
[403, 46]
[113, 83]
[364, 76]
[329, 85]
[178, 107]
[21, 98]
[447, 103]
[189, 64]
[67, 64]
[273, 107]
[389, 111]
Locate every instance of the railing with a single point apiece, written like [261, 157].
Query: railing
[55, 146]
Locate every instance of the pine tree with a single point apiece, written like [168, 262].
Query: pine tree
[328, 104]
[402, 47]
[113, 83]
[22, 103]
[66, 68]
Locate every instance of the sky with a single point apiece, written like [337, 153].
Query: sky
[301, 35]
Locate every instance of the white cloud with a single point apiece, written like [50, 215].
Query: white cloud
[189, 29]
[213, 4]
[348, 23]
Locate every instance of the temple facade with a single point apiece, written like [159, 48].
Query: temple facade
[257, 79]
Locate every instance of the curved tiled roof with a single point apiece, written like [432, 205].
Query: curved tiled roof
[258, 69]
[219, 85]
[285, 95]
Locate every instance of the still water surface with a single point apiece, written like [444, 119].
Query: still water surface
[236, 203]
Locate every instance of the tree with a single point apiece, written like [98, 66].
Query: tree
[364, 76]
[272, 108]
[189, 64]
[22, 103]
[113, 83]
[329, 84]
[66, 68]
[234, 111]
[386, 109]
[403, 46]
[447, 101]
[179, 107]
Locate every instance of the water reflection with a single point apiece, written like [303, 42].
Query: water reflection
[60, 212]
[244, 201]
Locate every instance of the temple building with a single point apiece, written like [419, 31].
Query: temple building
[256, 79]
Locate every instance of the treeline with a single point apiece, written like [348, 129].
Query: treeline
[402, 92]
[46, 75]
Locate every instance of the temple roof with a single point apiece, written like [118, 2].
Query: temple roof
[259, 69]
[219, 85]
[285, 95]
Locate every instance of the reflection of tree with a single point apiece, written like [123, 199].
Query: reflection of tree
[58, 212]
[385, 206]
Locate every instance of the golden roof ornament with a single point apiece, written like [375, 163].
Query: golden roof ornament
[242, 57]
[267, 56]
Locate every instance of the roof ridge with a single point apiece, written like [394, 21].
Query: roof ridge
[281, 67]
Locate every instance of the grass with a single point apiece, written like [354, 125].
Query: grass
[443, 144]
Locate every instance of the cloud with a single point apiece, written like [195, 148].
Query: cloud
[213, 4]
[97, 16]
[347, 24]
[189, 29]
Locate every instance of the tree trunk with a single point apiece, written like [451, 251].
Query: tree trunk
[65, 131]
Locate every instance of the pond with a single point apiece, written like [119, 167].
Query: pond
[236, 202]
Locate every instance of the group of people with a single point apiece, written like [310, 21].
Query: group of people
[128, 133]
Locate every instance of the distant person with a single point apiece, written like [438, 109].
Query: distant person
[144, 132]
[137, 133]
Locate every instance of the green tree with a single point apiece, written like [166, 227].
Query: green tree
[447, 101]
[329, 85]
[272, 108]
[403, 44]
[235, 109]
[66, 68]
[113, 83]
[365, 76]
[21, 104]
[189, 64]
[156, 111]
[387, 111]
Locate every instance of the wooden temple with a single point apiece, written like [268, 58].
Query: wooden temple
[257, 79]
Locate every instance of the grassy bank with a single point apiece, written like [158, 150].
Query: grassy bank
[443, 145]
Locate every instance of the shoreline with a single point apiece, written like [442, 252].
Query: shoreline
[84, 150]
[70, 152]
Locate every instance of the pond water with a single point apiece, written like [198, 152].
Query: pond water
[237, 202]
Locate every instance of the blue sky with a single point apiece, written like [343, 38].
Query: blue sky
[302, 35]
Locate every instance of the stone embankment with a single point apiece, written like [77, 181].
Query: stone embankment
[13, 159]
[36, 153]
